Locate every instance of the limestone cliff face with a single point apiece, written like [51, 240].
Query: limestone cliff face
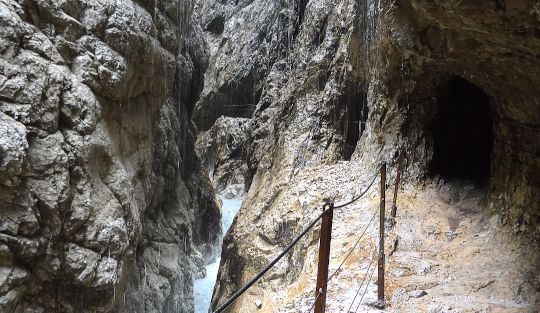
[490, 44]
[223, 151]
[331, 81]
[103, 204]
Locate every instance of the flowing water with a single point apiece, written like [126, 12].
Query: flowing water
[203, 288]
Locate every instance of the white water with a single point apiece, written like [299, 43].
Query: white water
[203, 288]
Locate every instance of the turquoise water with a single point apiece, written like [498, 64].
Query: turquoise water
[230, 208]
[203, 288]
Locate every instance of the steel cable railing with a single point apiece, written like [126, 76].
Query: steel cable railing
[357, 241]
[354, 247]
[360, 196]
[237, 294]
[365, 290]
[364, 280]
[319, 293]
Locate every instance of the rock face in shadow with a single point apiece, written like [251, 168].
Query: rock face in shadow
[104, 206]
[360, 81]
[428, 48]
[303, 119]
[246, 38]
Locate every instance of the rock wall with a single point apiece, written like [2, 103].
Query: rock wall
[359, 80]
[223, 151]
[490, 44]
[104, 206]
[303, 119]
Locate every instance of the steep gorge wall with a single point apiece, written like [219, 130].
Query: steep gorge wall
[223, 150]
[304, 76]
[492, 45]
[103, 203]
[301, 121]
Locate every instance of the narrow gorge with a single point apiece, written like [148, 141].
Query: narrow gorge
[150, 149]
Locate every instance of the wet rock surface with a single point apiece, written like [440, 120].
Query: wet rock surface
[103, 203]
[484, 44]
[359, 81]
[105, 206]
[223, 151]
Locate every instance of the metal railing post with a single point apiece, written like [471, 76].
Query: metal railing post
[380, 276]
[324, 258]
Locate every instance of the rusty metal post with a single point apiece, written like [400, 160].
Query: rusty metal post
[380, 276]
[401, 163]
[324, 258]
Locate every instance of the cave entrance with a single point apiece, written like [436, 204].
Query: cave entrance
[462, 133]
[355, 122]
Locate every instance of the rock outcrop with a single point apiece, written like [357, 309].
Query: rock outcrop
[104, 205]
[485, 48]
[223, 151]
[330, 81]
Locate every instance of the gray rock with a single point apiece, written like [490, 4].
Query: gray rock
[13, 147]
[302, 74]
[101, 192]
[223, 151]
[451, 235]
[424, 267]
[417, 293]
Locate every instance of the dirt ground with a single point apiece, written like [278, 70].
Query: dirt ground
[445, 253]
[460, 256]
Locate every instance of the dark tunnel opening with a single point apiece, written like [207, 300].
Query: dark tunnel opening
[355, 123]
[462, 133]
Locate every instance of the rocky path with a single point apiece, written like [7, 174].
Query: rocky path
[452, 257]
[445, 254]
